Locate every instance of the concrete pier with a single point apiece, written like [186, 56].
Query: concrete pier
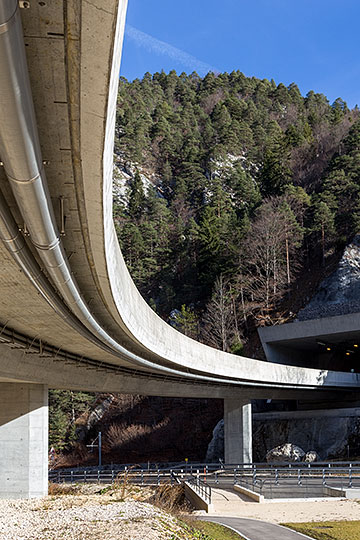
[237, 431]
[23, 440]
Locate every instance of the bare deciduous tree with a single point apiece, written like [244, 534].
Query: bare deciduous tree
[219, 324]
[269, 259]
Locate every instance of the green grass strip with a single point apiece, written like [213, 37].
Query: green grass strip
[217, 532]
[328, 530]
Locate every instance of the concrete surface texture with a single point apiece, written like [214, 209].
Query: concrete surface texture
[73, 51]
[23, 440]
[228, 503]
[74, 76]
[298, 342]
[237, 431]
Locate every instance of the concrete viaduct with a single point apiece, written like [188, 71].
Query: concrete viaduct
[70, 315]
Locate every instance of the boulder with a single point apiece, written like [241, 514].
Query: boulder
[311, 456]
[285, 453]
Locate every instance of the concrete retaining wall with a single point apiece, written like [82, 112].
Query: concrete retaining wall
[348, 493]
[251, 494]
[196, 500]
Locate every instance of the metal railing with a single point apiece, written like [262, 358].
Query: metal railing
[135, 476]
[200, 487]
[287, 480]
[297, 481]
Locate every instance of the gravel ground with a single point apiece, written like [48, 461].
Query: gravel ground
[84, 517]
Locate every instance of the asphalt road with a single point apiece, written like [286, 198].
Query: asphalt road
[253, 529]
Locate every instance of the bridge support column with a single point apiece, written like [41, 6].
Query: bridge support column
[237, 431]
[23, 440]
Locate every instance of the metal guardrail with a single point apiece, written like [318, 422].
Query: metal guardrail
[271, 480]
[200, 487]
[138, 476]
[297, 481]
[190, 468]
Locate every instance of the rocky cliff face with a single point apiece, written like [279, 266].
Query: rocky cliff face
[329, 437]
[123, 175]
[215, 450]
[339, 294]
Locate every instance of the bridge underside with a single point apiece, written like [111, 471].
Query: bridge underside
[325, 343]
[71, 65]
[24, 379]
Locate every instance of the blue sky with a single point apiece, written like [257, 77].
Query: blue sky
[314, 43]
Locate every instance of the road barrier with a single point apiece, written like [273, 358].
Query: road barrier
[281, 480]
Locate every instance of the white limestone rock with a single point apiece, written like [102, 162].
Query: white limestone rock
[288, 453]
[311, 456]
[338, 294]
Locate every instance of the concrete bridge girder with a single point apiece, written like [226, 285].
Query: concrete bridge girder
[74, 75]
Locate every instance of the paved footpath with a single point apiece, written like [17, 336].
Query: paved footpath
[253, 529]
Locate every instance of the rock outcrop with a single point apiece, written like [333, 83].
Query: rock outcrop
[321, 438]
[215, 450]
[330, 437]
[94, 417]
[285, 453]
[338, 294]
[311, 457]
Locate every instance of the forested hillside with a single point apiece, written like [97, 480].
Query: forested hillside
[233, 197]
[235, 185]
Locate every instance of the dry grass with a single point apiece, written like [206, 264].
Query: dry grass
[171, 499]
[78, 454]
[173, 523]
[119, 435]
[122, 485]
[63, 489]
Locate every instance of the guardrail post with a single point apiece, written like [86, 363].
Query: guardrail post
[254, 476]
[299, 477]
[323, 478]
[112, 476]
[158, 477]
[72, 477]
[276, 477]
[84, 476]
[216, 478]
[234, 477]
[98, 477]
[350, 476]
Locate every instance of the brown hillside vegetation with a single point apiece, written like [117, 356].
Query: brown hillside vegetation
[141, 429]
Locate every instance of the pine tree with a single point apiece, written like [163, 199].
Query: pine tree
[64, 408]
[275, 173]
[136, 198]
[186, 321]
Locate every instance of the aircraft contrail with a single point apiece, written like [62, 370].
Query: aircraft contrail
[161, 47]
